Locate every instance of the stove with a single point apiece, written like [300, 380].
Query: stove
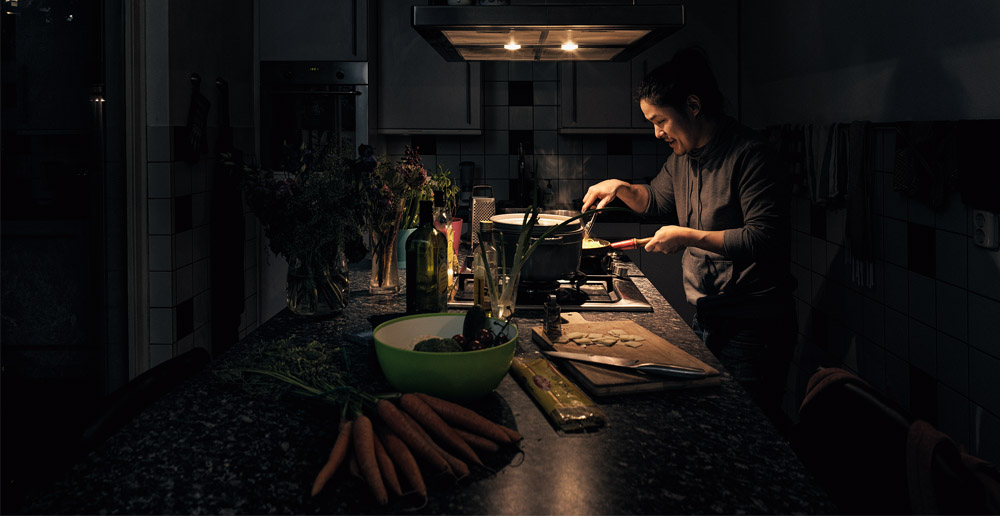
[583, 293]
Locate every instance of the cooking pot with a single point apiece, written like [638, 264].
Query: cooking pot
[556, 257]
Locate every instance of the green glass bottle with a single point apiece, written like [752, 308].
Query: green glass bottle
[426, 265]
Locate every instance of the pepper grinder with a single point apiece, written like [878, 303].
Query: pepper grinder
[552, 318]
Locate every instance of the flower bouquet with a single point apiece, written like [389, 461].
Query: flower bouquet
[311, 211]
[390, 188]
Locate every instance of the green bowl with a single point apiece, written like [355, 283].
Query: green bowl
[459, 376]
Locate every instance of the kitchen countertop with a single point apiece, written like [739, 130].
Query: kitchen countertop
[207, 447]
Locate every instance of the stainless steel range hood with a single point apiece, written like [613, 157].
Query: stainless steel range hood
[545, 32]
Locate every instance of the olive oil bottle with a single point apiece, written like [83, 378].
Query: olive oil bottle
[426, 265]
[443, 223]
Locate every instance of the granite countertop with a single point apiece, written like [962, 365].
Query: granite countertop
[210, 448]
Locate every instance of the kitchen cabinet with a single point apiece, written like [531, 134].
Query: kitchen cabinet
[313, 30]
[417, 90]
[597, 97]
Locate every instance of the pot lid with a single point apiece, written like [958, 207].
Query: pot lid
[514, 222]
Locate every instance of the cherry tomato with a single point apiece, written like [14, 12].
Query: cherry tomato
[460, 340]
[476, 345]
[486, 337]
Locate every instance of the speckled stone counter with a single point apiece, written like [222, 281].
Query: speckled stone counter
[210, 448]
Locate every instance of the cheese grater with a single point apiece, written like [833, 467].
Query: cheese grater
[484, 206]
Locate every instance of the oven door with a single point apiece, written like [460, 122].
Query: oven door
[318, 105]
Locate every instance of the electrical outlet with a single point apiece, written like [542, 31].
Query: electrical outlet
[984, 229]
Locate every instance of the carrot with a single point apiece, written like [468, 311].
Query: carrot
[364, 451]
[477, 441]
[423, 413]
[402, 457]
[461, 469]
[410, 435]
[337, 454]
[386, 467]
[468, 419]
[352, 466]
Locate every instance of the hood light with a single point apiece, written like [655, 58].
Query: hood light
[569, 46]
[512, 46]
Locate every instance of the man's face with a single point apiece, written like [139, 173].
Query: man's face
[675, 127]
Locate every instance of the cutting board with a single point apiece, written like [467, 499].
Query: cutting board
[600, 380]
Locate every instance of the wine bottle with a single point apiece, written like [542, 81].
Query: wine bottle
[426, 265]
[442, 222]
[480, 281]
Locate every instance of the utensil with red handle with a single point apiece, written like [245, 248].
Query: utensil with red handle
[632, 243]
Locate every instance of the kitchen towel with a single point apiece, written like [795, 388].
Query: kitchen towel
[825, 155]
[860, 185]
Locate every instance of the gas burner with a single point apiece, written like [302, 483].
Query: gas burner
[581, 293]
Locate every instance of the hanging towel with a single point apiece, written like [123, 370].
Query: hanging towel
[825, 161]
[859, 193]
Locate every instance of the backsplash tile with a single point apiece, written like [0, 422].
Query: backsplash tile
[921, 298]
[520, 93]
[923, 347]
[953, 363]
[984, 271]
[951, 258]
[546, 93]
[953, 416]
[546, 118]
[920, 249]
[983, 316]
[521, 118]
[984, 389]
[952, 314]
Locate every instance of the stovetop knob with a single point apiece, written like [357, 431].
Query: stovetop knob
[621, 271]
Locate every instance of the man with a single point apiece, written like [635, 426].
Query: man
[729, 201]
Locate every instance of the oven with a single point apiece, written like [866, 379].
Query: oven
[320, 104]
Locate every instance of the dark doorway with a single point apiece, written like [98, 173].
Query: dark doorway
[63, 327]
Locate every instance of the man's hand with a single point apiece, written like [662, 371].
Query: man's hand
[602, 193]
[668, 239]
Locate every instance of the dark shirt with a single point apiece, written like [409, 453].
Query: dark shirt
[734, 184]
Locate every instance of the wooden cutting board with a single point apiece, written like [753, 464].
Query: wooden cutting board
[600, 380]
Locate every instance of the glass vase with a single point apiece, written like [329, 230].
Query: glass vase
[385, 269]
[317, 286]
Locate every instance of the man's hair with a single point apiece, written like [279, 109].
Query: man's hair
[688, 73]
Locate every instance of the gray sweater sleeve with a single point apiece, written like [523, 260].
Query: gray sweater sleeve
[765, 200]
[661, 196]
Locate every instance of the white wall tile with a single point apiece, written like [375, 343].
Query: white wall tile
[161, 216]
[571, 167]
[181, 173]
[161, 325]
[985, 434]
[897, 380]
[449, 145]
[873, 321]
[896, 288]
[620, 167]
[160, 253]
[474, 145]
[544, 71]
[159, 182]
[570, 144]
[546, 142]
[984, 389]
[919, 212]
[546, 93]
[546, 118]
[159, 143]
[495, 143]
[923, 347]
[497, 166]
[161, 289]
[159, 354]
[984, 271]
[644, 166]
[520, 71]
[951, 257]
[897, 334]
[921, 298]
[953, 363]
[521, 118]
[896, 240]
[953, 415]
[595, 167]
[983, 316]
[952, 314]
[955, 215]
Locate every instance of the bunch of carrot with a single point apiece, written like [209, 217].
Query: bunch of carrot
[390, 447]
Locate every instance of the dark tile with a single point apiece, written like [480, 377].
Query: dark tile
[923, 395]
[520, 93]
[619, 144]
[527, 138]
[921, 251]
[817, 221]
[183, 216]
[426, 144]
[819, 329]
[185, 318]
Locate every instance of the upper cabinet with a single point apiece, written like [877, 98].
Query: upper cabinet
[313, 30]
[417, 90]
[597, 97]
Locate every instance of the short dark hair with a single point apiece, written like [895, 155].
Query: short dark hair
[688, 73]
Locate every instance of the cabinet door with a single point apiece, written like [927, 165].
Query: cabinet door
[594, 96]
[418, 91]
[313, 30]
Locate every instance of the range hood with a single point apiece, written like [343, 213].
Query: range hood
[545, 32]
